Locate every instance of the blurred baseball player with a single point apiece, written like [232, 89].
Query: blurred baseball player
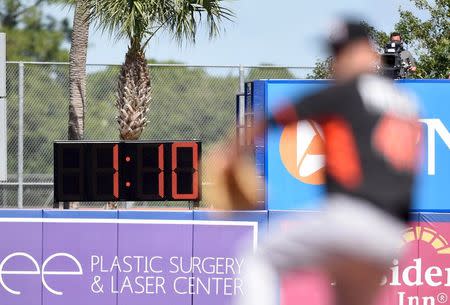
[371, 134]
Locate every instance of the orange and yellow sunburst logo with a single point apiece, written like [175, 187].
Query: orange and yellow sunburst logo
[425, 234]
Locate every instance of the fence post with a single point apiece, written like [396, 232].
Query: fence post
[241, 107]
[3, 116]
[20, 140]
[241, 79]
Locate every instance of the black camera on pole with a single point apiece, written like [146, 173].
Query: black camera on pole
[392, 64]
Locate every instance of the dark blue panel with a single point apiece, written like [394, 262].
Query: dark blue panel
[258, 102]
[295, 81]
[166, 215]
[434, 217]
[275, 215]
[414, 216]
[80, 214]
[430, 210]
[16, 213]
[423, 81]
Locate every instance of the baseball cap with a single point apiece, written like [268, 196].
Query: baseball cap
[345, 32]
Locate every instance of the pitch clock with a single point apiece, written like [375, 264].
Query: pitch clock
[126, 171]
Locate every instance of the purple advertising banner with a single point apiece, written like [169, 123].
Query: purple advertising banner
[82, 261]
[217, 280]
[20, 263]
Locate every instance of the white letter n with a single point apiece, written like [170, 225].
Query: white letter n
[434, 126]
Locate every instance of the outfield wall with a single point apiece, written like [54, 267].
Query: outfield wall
[183, 257]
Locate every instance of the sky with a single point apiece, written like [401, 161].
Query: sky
[283, 32]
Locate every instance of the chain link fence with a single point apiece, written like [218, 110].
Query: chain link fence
[188, 102]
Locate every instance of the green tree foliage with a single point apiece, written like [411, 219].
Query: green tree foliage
[187, 103]
[380, 38]
[30, 34]
[428, 39]
[44, 119]
[269, 72]
[322, 69]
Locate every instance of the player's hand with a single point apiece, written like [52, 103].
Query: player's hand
[233, 179]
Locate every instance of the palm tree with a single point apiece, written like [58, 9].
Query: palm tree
[77, 71]
[138, 21]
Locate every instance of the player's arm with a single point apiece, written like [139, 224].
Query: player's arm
[233, 170]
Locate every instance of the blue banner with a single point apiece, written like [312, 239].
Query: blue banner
[293, 161]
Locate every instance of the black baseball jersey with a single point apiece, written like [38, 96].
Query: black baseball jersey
[371, 134]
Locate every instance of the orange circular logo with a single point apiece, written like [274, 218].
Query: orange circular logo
[302, 151]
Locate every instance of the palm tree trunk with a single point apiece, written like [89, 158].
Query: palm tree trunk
[133, 93]
[77, 71]
[77, 76]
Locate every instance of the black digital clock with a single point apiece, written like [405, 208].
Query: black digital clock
[126, 171]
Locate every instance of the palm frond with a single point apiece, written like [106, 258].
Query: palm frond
[141, 19]
[125, 18]
[186, 16]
